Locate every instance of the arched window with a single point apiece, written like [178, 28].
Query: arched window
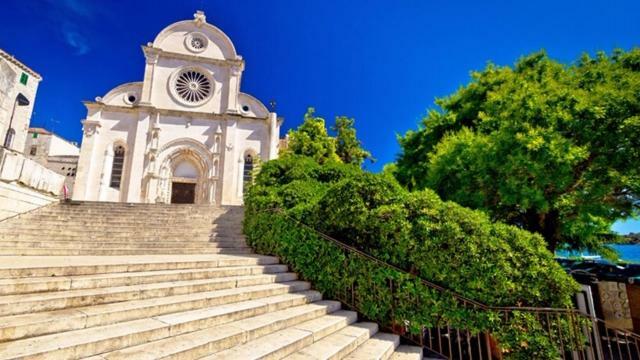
[247, 173]
[118, 164]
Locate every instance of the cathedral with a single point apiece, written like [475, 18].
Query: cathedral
[184, 134]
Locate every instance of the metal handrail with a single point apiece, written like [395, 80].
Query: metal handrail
[537, 311]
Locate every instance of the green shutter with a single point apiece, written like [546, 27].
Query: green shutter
[23, 78]
[35, 135]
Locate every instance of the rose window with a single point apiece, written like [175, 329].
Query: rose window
[193, 86]
[197, 43]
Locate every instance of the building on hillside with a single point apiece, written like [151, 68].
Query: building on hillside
[54, 153]
[24, 183]
[185, 133]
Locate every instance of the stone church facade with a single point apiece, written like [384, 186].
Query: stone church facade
[185, 134]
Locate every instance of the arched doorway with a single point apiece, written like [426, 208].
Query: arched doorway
[185, 166]
[184, 181]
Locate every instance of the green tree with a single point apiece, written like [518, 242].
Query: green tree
[348, 147]
[552, 148]
[311, 139]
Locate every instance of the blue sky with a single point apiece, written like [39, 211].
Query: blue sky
[381, 62]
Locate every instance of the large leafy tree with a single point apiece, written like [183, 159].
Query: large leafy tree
[552, 148]
[348, 147]
[311, 139]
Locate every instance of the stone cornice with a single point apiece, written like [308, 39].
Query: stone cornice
[232, 63]
[92, 105]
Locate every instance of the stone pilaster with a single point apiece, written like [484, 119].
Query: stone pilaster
[151, 55]
[87, 166]
[235, 74]
[137, 159]
[274, 136]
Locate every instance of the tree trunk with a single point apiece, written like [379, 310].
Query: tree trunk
[545, 224]
[551, 230]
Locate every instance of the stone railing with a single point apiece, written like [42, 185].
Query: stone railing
[15, 167]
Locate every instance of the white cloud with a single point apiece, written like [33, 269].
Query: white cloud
[68, 14]
[76, 41]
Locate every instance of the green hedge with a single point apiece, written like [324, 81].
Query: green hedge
[442, 242]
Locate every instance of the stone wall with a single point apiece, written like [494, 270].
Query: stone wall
[25, 184]
[16, 199]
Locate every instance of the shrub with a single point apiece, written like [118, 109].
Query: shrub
[442, 242]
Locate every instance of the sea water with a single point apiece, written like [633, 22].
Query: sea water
[627, 252]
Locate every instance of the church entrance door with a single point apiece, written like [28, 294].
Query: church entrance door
[183, 193]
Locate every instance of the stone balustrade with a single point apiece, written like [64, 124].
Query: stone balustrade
[15, 167]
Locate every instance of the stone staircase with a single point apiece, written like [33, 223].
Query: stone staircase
[123, 281]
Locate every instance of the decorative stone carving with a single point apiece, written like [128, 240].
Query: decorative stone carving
[199, 18]
[151, 54]
[90, 127]
[236, 70]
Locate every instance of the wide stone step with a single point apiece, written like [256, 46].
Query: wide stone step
[27, 266]
[97, 340]
[148, 207]
[71, 235]
[95, 227]
[379, 347]
[61, 283]
[204, 342]
[119, 221]
[36, 324]
[119, 252]
[133, 244]
[406, 352]
[180, 241]
[121, 238]
[338, 344]
[284, 342]
[29, 303]
[120, 207]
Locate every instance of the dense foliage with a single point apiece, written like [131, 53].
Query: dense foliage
[551, 148]
[443, 242]
[348, 147]
[312, 139]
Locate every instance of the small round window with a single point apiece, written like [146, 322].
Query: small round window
[196, 42]
[245, 108]
[130, 98]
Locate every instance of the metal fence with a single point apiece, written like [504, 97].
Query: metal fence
[572, 333]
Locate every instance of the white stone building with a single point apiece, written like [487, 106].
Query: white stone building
[54, 153]
[18, 87]
[24, 183]
[185, 133]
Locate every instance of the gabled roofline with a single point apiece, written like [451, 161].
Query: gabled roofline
[10, 58]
